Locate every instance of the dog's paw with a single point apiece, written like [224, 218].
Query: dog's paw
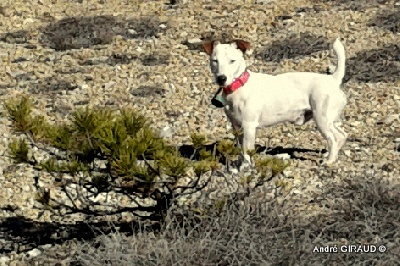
[240, 165]
[329, 163]
[245, 167]
[233, 170]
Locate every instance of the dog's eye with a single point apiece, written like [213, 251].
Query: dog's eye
[233, 61]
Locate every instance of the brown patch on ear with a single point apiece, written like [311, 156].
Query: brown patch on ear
[242, 45]
[208, 47]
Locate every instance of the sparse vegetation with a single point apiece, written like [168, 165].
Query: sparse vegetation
[68, 195]
[104, 151]
[261, 232]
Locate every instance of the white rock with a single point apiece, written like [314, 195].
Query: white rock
[84, 86]
[183, 34]
[194, 89]
[100, 198]
[15, 73]
[4, 260]
[297, 191]
[28, 21]
[287, 173]
[166, 132]
[283, 156]
[27, 188]
[132, 31]
[33, 253]
[47, 246]
[194, 41]
[109, 85]
[347, 153]
[355, 123]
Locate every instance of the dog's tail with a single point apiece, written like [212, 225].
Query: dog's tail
[341, 60]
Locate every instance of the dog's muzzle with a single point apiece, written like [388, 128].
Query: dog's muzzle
[221, 80]
[218, 100]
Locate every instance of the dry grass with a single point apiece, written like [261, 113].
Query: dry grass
[361, 210]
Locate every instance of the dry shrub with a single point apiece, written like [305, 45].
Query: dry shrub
[361, 210]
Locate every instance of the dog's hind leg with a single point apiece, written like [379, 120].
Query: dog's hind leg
[337, 113]
[333, 145]
[325, 124]
[341, 135]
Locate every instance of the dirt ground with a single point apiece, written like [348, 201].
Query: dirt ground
[67, 54]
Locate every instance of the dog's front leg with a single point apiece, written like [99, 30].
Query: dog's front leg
[238, 133]
[249, 139]
[236, 129]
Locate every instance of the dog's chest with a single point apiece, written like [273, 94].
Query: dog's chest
[234, 112]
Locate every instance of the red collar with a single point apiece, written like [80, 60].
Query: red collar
[237, 83]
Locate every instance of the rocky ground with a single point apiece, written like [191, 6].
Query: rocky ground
[145, 54]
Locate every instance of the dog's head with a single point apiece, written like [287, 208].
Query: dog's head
[226, 60]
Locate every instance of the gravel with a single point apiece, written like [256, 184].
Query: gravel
[146, 55]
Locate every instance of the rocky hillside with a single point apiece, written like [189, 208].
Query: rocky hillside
[145, 54]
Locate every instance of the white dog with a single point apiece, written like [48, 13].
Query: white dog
[252, 100]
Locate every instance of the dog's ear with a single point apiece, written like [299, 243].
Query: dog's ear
[209, 47]
[242, 45]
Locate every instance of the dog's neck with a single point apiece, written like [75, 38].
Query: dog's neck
[237, 83]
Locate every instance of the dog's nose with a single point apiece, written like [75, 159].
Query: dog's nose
[221, 80]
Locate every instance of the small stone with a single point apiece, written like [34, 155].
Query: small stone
[388, 120]
[263, 2]
[28, 21]
[355, 123]
[47, 246]
[288, 173]
[109, 85]
[4, 260]
[194, 89]
[193, 44]
[132, 31]
[15, 74]
[194, 41]
[84, 86]
[166, 132]
[27, 188]
[283, 156]
[297, 191]
[33, 253]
